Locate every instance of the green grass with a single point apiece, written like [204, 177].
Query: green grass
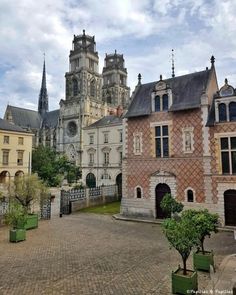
[111, 208]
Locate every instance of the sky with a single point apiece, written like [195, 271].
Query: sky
[145, 31]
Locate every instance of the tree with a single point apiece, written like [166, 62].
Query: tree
[204, 222]
[52, 166]
[170, 205]
[16, 215]
[182, 236]
[27, 190]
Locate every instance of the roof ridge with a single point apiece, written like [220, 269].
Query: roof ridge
[22, 108]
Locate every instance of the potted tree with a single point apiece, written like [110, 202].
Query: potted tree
[16, 218]
[205, 223]
[170, 206]
[182, 236]
[28, 191]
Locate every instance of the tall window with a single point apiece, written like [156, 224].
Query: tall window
[162, 141]
[232, 111]
[105, 137]
[165, 102]
[228, 155]
[222, 112]
[6, 139]
[91, 158]
[106, 158]
[92, 88]
[75, 87]
[5, 157]
[157, 103]
[91, 139]
[20, 140]
[121, 136]
[20, 158]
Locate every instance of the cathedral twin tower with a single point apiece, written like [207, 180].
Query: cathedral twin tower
[89, 94]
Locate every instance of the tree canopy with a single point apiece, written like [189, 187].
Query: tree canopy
[170, 205]
[52, 167]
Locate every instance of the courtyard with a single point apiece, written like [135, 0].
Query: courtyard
[86, 253]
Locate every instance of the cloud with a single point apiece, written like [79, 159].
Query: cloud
[144, 30]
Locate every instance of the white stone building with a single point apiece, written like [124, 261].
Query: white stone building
[102, 151]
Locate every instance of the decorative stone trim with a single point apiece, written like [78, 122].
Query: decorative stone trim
[135, 192]
[188, 140]
[137, 143]
[186, 194]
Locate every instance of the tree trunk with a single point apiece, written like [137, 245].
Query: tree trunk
[202, 245]
[185, 266]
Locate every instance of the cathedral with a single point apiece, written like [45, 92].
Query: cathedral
[89, 96]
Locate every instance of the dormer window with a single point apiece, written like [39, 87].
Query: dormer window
[161, 97]
[157, 104]
[161, 103]
[165, 102]
[232, 111]
[222, 112]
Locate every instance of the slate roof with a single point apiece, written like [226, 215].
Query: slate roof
[106, 121]
[5, 125]
[25, 118]
[51, 118]
[186, 93]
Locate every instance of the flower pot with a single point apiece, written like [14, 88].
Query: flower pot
[184, 284]
[17, 235]
[203, 261]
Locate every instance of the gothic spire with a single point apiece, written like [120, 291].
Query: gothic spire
[43, 95]
[173, 63]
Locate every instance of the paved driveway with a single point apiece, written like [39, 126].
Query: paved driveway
[94, 254]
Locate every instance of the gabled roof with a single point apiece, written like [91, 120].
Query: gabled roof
[25, 118]
[106, 121]
[5, 125]
[186, 93]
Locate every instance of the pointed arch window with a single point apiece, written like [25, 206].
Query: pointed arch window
[92, 88]
[138, 192]
[232, 111]
[75, 87]
[165, 102]
[222, 112]
[157, 103]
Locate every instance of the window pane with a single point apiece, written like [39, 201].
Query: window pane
[164, 130]
[158, 147]
[165, 102]
[157, 103]
[222, 112]
[158, 131]
[233, 155]
[233, 142]
[224, 143]
[232, 111]
[225, 162]
[165, 147]
[190, 195]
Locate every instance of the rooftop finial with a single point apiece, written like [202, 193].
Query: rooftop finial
[83, 32]
[226, 81]
[115, 51]
[139, 79]
[160, 77]
[212, 60]
[173, 63]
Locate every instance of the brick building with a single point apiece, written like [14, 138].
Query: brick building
[175, 141]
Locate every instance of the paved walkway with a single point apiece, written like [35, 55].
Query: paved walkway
[88, 254]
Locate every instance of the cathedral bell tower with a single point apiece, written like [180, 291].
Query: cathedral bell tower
[115, 91]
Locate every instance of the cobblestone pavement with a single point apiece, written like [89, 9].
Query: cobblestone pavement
[90, 254]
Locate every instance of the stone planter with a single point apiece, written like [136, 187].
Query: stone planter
[182, 284]
[203, 261]
[17, 235]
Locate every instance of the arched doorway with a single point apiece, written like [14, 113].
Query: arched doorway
[19, 173]
[91, 180]
[160, 191]
[4, 177]
[119, 184]
[230, 207]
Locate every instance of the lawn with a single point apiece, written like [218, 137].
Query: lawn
[111, 208]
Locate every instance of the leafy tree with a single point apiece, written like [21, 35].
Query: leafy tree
[52, 166]
[27, 190]
[170, 205]
[182, 236]
[204, 222]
